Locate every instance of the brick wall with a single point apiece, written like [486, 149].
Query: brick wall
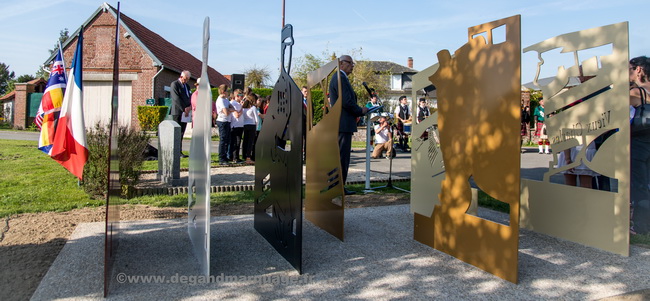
[20, 105]
[99, 41]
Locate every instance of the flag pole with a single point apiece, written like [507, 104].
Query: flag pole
[65, 75]
[282, 13]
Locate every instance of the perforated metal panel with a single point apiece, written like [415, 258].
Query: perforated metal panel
[278, 166]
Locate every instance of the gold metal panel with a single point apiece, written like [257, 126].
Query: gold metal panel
[324, 200]
[591, 217]
[478, 105]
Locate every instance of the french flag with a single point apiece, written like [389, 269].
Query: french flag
[69, 147]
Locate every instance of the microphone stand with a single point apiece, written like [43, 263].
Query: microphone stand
[389, 185]
[390, 173]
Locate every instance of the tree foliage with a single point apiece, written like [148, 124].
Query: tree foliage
[64, 34]
[25, 78]
[363, 72]
[21, 79]
[256, 77]
[306, 64]
[6, 79]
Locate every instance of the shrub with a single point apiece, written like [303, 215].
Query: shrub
[131, 145]
[263, 92]
[317, 101]
[151, 116]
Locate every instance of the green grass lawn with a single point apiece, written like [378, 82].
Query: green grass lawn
[32, 182]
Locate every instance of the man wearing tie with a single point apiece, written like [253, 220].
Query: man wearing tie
[181, 104]
[349, 113]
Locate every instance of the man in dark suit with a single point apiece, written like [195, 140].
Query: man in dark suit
[180, 92]
[349, 113]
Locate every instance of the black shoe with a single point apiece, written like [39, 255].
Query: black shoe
[223, 163]
[184, 155]
[349, 192]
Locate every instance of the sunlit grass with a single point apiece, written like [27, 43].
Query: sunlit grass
[30, 181]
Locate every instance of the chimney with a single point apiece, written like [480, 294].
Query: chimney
[410, 62]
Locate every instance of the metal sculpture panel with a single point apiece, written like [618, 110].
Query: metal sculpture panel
[325, 200]
[278, 165]
[478, 107]
[427, 168]
[113, 198]
[198, 220]
[577, 119]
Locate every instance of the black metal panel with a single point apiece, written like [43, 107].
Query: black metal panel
[278, 166]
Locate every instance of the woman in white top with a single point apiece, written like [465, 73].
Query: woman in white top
[249, 112]
[236, 126]
[223, 123]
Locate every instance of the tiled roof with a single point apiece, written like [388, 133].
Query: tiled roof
[393, 68]
[11, 94]
[168, 54]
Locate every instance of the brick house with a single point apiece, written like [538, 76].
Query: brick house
[147, 65]
[18, 105]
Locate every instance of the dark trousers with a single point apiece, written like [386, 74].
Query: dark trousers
[183, 125]
[224, 140]
[249, 140]
[639, 191]
[345, 146]
[235, 143]
[257, 134]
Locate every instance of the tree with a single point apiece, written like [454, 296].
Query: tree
[306, 64]
[6, 78]
[25, 78]
[42, 73]
[64, 34]
[363, 72]
[257, 77]
[21, 79]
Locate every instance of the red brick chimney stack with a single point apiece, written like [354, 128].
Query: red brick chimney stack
[410, 62]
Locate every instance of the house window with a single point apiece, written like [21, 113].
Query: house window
[407, 82]
[396, 82]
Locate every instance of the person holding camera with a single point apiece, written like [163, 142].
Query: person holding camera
[383, 139]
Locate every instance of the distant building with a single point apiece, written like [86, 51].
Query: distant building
[400, 81]
[21, 103]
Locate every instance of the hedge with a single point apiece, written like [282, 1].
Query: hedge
[151, 116]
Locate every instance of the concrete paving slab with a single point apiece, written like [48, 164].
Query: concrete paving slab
[378, 260]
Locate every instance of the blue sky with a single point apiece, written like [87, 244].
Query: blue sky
[246, 33]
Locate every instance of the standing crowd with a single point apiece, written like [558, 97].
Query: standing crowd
[237, 114]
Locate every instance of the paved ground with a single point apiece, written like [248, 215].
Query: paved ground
[395, 267]
[378, 260]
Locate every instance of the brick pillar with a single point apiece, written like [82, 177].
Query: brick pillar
[20, 104]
